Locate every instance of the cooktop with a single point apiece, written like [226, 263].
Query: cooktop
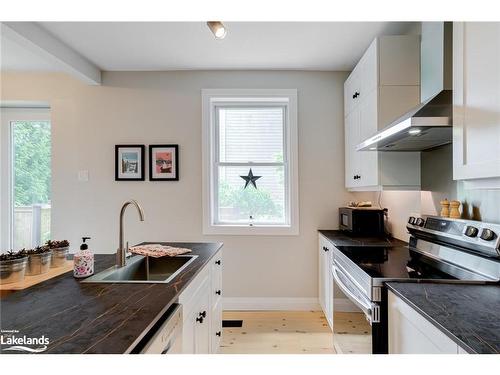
[395, 263]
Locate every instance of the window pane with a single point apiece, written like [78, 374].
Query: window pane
[251, 134]
[31, 147]
[266, 204]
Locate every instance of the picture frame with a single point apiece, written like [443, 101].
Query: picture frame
[164, 162]
[129, 162]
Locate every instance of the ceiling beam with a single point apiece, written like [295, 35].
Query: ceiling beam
[35, 38]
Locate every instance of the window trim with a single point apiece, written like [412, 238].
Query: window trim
[8, 116]
[210, 99]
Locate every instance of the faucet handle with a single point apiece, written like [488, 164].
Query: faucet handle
[127, 253]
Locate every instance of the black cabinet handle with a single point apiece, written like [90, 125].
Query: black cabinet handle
[356, 94]
[217, 262]
[203, 314]
[199, 319]
[218, 333]
[218, 292]
[325, 248]
[357, 177]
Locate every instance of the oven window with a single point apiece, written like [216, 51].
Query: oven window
[345, 220]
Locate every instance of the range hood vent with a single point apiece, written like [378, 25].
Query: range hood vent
[426, 126]
[429, 124]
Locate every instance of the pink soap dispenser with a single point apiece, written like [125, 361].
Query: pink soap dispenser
[83, 261]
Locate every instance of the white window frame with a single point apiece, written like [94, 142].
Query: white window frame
[287, 98]
[36, 112]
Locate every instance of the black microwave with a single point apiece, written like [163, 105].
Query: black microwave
[362, 221]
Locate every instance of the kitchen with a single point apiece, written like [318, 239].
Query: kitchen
[161, 140]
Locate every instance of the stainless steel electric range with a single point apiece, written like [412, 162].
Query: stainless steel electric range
[439, 250]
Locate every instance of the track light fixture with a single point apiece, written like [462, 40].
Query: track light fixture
[217, 28]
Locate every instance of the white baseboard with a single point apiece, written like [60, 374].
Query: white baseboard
[290, 304]
[296, 304]
[344, 305]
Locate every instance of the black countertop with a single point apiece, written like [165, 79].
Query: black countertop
[468, 314]
[96, 318]
[339, 238]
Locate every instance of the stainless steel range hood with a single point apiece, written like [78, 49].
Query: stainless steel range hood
[429, 124]
[424, 127]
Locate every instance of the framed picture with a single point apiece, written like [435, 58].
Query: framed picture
[129, 163]
[164, 162]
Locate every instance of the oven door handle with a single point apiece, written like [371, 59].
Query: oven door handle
[370, 310]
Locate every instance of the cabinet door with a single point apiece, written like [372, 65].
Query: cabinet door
[202, 318]
[476, 100]
[368, 160]
[352, 88]
[216, 327]
[329, 286]
[196, 317]
[369, 70]
[411, 333]
[325, 278]
[321, 274]
[352, 138]
[347, 96]
[349, 181]
[216, 302]
[216, 279]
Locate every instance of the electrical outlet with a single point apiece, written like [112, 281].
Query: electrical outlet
[83, 176]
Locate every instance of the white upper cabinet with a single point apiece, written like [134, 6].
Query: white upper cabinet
[383, 85]
[476, 101]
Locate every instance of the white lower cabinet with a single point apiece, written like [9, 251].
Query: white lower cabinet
[325, 286]
[202, 310]
[411, 333]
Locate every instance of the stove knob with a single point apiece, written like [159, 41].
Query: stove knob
[411, 220]
[420, 222]
[471, 231]
[487, 234]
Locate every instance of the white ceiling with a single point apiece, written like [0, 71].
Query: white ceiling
[190, 45]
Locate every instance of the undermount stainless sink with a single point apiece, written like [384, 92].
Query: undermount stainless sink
[140, 269]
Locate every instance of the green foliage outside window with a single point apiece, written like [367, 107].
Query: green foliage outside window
[32, 149]
[249, 201]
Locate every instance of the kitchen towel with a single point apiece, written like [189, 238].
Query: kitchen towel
[157, 250]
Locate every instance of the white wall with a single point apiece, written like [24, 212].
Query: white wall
[165, 107]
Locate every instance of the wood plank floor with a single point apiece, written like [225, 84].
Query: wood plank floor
[352, 333]
[294, 332]
[277, 332]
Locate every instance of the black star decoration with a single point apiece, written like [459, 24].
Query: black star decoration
[250, 179]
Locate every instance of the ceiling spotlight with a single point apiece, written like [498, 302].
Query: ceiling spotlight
[414, 131]
[218, 29]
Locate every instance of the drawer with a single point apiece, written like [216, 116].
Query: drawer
[189, 296]
[216, 277]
